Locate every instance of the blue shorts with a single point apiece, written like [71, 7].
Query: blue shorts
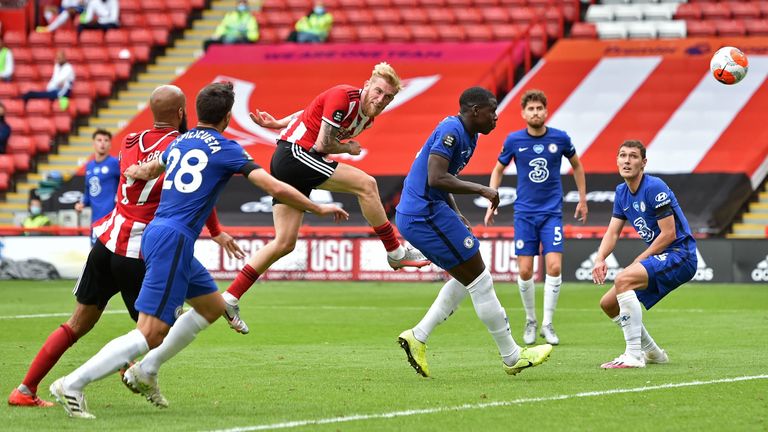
[666, 271]
[441, 237]
[532, 229]
[173, 273]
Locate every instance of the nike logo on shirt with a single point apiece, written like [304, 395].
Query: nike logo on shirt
[522, 149]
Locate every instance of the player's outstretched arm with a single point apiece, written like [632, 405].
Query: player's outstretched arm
[611, 236]
[581, 185]
[494, 183]
[265, 119]
[289, 195]
[438, 177]
[147, 171]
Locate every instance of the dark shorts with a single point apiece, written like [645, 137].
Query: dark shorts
[666, 271]
[442, 236]
[299, 168]
[105, 274]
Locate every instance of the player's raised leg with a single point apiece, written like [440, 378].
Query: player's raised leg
[348, 179]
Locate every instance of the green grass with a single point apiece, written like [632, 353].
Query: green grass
[326, 350]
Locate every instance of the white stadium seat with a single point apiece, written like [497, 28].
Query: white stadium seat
[659, 12]
[611, 30]
[641, 30]
[671, 29]
[599, 13]
[628, 13]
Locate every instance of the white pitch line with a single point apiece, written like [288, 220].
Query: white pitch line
[465, 407]
[57, 314]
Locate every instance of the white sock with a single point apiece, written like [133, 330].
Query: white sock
[398, 253]
[646, 341]
[494, 317]
[446, 303]
[631, 321]
[551, 293]
[528, 294]
[183, 332]
[115, 354]
[58, 21]
[229, 298]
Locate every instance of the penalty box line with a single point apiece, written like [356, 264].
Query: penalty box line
[466, 407]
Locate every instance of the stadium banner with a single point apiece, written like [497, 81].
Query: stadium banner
[340, 258]
[709, 201]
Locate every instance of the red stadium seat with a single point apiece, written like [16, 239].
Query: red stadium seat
[184, 7]
[179, 20]
[42, 143]
[397, 33]
[451, 33]
[83, 89]
[120, 55]
[744, 10]
[15, 39]
[478, 32]
[537, 36]
[15, 107]
[494, 15]
[159, 20]
[64, 38]
[89, 38]
[756, 27]
[43, 55]
[41, 107]
[25, 73]
[370, 34]
[387, 16]
[8, 90]
[508, 32]
[63, 123]
[102, 71]
[83, 105]
[304, 6]
[469, 16]
[348, 4]
[513, 3]
[730, 28]
[21, 144]
[123, 69]
[56, 109]
[432, 3]
[343, 34]
[130, 6]
[41, 125]
[415, 16]
[522, 15]
[715, 11]
[140, 53]
[96, 54]
[280, 19]
[688, 11]
[6, 164]
[141, 37]
[21, 162]
[583, 30]
[116, 37]
[5, 182]
[132, 20]
[486, 3]
[701, 28]
[75, 56]
[441, 16]
[462, 5]
[22, 55]
[360, 17]
[374, 3]
[151, 7]
[424, 33]
[44, 40]
[103, 87]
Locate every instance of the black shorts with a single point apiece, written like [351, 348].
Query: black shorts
[299, 168]
[105, 274]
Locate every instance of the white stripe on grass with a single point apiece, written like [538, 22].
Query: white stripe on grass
[465, 407]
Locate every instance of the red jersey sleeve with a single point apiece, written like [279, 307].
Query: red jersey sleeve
[335, 106]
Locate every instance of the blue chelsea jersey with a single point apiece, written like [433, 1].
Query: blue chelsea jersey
[449, 140]
[538, 160]
[101, 180]
[652, 201]
[199, 164]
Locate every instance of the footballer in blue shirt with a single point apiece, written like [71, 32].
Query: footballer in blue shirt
[538, 151]
[197, 165]
[668, 262]
[102, 175]
[427, 216]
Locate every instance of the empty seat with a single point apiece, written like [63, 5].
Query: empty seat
[756, 27]
[5, 182]
[63, 123]
[64, 38]
[441, 16]
[75, 56]
[21, 144]
[22, 162]
[8, 90]
[424, 33]
[700, 28]
[715, 11]
[41, 125]
[745, 10]
[25, 73]
[478, 32]
[6, 164]
[15, 39]
[494, 15]
[469, 16]
[641, 30]
[141, 36]
[599, 13]
[631, 12]
[15, 107]
[132, 20]
[83, 89]
[537, 39]
[583, 30]
[397, 33]
[158, 20]
[179, 20]
[152, 7]
[658, 12]
[42, 143]
[37, 39]
[343, 34]
[279, 19]
[451, 33]
[611, 30]
[39, 107]
[130, 6]
[83, 105]
[387, 16]
[360, 17]
[116, 37]
[372, 4]
[688, 11]
[370, 34]
[43, 55]
[22, 55]
[671, 29]
[730, 28]
[415, 16]
[508, 32]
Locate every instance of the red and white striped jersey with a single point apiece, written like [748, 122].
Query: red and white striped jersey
[120, 231]
[340, 106]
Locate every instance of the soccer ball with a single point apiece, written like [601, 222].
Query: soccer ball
[729, 65]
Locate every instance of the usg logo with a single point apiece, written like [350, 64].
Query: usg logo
[760, 273]
[584, 272]
[703, 271]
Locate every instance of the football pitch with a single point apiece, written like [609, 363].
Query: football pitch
[323, 357]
